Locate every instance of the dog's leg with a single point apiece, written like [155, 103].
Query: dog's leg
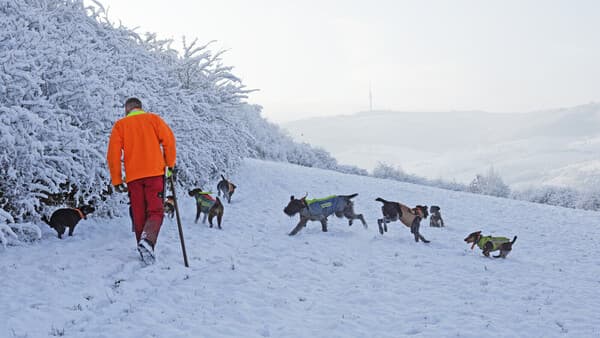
[71, 229]
[385, 223]
[197, 214]
[60, 230]
[487, 249]
[204, 218]
[379, 224]
[211, 215]
[362, 219]
[414, 229]
[219, 217]
[324, 224]
[351, 216]
[298, 227]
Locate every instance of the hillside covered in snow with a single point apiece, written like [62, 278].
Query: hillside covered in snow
[253, 280]
[547, 148]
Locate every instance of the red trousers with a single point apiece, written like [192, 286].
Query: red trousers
[147, 211]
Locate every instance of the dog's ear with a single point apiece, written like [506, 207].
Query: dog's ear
[291, 198]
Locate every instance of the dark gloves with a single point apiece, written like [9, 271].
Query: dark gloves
[120, 188]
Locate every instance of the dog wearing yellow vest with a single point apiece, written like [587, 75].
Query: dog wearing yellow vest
[489, 244]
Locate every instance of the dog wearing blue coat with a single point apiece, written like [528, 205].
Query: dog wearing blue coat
[320, 208]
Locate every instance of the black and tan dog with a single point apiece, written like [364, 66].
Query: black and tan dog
[207, 205]
[321, 208]
[394, 211]
[67, 218]
[436, 217]
[226, 188]
[169, 206]
[489, 244]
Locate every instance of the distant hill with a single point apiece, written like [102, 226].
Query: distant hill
[557, 147]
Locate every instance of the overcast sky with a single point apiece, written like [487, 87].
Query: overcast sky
[314, 58]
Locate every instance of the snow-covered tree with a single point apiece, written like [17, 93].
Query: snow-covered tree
[489, 184]
[66, 71]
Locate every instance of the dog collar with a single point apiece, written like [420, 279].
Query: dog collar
[80, 213]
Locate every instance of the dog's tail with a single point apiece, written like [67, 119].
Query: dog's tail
[514, 240]
[218, 201]
[349, 196]
[379, 199]
[223, 177]
[45, 219]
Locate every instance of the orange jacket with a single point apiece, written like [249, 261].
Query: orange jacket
[139, 137]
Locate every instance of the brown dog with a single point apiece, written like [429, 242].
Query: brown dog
[169, 206]
[394, 211]
[226, 188]
[436, 217]
[489, 244]
[207, 205]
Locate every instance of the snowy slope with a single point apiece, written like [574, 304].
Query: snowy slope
[252, 280]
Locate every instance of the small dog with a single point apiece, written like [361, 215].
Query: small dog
[320, 209]
[226, 188]
[436, 217]
[207, 205]
[67, 218]
[489, 244]
[394, 211]
[169, 206]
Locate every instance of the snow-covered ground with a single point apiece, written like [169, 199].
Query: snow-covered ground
[252, 280]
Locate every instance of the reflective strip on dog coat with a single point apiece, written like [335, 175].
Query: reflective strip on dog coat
[323, 206]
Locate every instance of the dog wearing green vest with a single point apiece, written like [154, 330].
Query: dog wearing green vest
[207, 205]
[489, 244]
[319, 209]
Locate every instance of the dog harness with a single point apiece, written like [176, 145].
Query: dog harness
[496, 242]
[205, 200]
[322, 206]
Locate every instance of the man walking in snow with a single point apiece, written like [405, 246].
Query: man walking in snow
[138, 138]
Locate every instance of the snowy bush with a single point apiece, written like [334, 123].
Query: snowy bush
[588, 199]
[489, 184]
[66, 71]
[383, 170]
[56, 122]
[15, 233]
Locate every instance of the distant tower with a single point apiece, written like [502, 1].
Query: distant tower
[370, 98]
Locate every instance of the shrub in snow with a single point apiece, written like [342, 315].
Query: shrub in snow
[558, 196]
[383, 170]
[66, 71]
[489, 184]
